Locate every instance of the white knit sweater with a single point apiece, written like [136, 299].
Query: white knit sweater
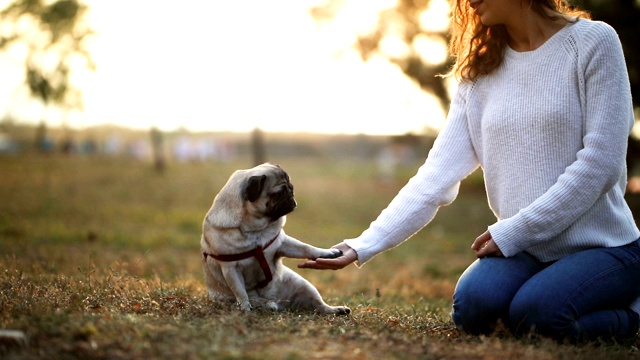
[549, 128]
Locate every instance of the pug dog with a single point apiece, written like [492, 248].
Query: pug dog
[243, 243]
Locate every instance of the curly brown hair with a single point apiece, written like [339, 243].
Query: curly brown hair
[479, 49]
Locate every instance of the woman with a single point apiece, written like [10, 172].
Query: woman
[544, 107]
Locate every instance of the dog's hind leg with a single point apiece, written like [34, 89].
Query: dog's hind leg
[305, 296]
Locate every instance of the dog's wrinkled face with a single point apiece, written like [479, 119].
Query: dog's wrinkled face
[270, 192]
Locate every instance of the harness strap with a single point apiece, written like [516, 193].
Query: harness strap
[258, 253]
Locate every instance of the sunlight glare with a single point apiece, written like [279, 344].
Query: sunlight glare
[231, 66]
[436, 16]
[394, 46]
[432, 49]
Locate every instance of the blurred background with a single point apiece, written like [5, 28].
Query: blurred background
[331, 67]
[78, 72]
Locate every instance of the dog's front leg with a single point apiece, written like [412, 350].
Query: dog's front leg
[294, 248]
[235, 281]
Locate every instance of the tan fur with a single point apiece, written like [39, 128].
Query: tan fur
[235, 225]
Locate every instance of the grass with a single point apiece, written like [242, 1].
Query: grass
[99, 259]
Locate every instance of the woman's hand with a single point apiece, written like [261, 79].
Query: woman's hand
[348, 256]
[485, 246]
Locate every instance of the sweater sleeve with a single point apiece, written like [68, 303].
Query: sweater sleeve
[599, 165]
[436, 183]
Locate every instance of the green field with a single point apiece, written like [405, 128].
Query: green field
[99, 259]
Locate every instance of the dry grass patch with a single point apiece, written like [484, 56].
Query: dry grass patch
[99, 259]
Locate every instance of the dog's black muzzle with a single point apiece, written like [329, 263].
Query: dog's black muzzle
[281, 204]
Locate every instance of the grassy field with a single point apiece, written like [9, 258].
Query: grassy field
[99, 259]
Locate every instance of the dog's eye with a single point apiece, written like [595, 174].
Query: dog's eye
[283, 190]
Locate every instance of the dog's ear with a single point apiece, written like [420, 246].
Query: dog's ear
[227, 208]
[254, 187]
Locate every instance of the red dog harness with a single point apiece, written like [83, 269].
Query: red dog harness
[258, 253]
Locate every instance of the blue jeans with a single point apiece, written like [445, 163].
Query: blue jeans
[580, 297]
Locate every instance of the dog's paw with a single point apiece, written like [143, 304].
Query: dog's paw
[334, 310]
[342, 310]
[245, 305]
[331, 254]
[271, 305]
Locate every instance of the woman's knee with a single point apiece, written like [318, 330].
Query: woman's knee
[527, 315]
[534, 313]
[562, 321]
[577, 296]
[475, 315]
[483, 295]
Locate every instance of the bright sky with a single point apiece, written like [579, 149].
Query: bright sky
[236, 65]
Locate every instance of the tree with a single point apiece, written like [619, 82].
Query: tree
[400, 22]
[404, 21]
[53, 34]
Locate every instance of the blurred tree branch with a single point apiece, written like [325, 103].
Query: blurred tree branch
[403, 21]
[51, 35]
